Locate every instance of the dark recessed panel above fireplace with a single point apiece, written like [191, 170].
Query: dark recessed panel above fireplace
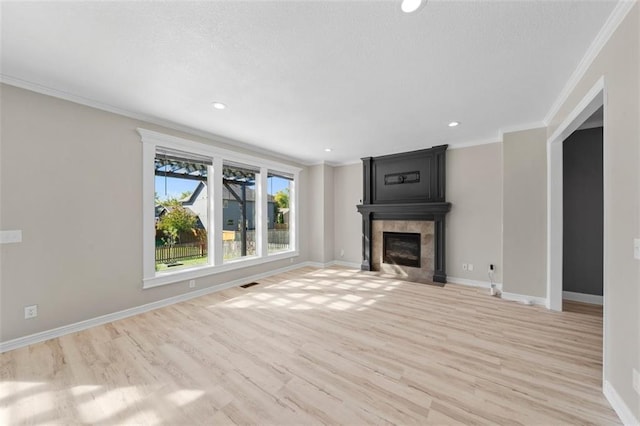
[411, 177]
[401, 248]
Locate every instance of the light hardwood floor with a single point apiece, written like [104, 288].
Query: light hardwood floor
[332, 346]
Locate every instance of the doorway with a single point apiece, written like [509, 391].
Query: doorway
[583, 204]
[593, 101]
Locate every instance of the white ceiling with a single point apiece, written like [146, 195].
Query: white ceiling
[360, 77]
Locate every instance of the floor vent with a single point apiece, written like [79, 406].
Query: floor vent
[249, 285]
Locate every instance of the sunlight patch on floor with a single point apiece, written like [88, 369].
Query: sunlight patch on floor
[145, 417]
[25, 402]
[262, 296]
[303, 301]
[10, 388]
[82, 390]
[340, 306]
[108, 404]
[318, 300]
[280, 301]
[351, 298]
[301, 307]
[314, 292]
[185, 396]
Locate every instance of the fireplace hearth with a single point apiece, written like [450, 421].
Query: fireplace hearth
[401, 248]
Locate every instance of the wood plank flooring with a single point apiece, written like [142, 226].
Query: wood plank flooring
[328, 346]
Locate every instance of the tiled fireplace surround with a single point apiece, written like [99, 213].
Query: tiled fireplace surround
[426, 231]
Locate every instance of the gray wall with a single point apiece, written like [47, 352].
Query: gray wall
[329, 217]
[70, 179]
[321, 214]
[524, 198]
[474, 225]
[582, 244]
[347, 190]
[619, 62]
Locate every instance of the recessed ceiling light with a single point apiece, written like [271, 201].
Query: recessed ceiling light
[453, 124]
[410, 6]
[328, 150]
[219, 105]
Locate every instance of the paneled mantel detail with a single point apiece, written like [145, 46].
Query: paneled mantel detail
[405, 211]
[410, 187]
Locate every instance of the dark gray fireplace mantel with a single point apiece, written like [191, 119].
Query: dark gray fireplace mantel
[407, 186]
[405, 211]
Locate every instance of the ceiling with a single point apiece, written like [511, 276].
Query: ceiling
[359, 77]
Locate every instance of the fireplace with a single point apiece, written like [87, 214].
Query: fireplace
[421, 270]
[404, 194]
[401, 248]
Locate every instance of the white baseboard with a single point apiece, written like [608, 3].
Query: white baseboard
[621, 409]
[584, 298]
[345, 264]
[521, 298]
[473, 283]
[524, 299]
[83, 325]
[319, 265]
[333, 263]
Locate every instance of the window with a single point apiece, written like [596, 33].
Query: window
[279, 212]
[181, 209]
[239, 210]
[208, 210]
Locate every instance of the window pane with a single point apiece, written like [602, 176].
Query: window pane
[278, 194]
[181, 212]
[239, 210]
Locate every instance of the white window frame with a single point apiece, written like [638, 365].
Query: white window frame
[150, 141]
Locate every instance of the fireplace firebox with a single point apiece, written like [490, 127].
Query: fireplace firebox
[401, 248]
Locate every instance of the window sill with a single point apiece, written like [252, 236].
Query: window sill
[203, 271]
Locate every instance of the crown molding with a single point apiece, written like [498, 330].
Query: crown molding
[521, 128]
[501, 132]
[60, 94]
[348, 163]
[614, 20]
[318, 163]
[473, 143]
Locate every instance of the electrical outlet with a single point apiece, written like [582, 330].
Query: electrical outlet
[636, 381]
[7, 237]
[636, 248]
[341, 252]
[192, 283]
[464, 266]
[30, 311]
[471, 266]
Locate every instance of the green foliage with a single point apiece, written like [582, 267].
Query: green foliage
[176, 220]
[281, 198]
[169, 202]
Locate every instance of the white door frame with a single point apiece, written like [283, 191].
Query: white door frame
[594, 99]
